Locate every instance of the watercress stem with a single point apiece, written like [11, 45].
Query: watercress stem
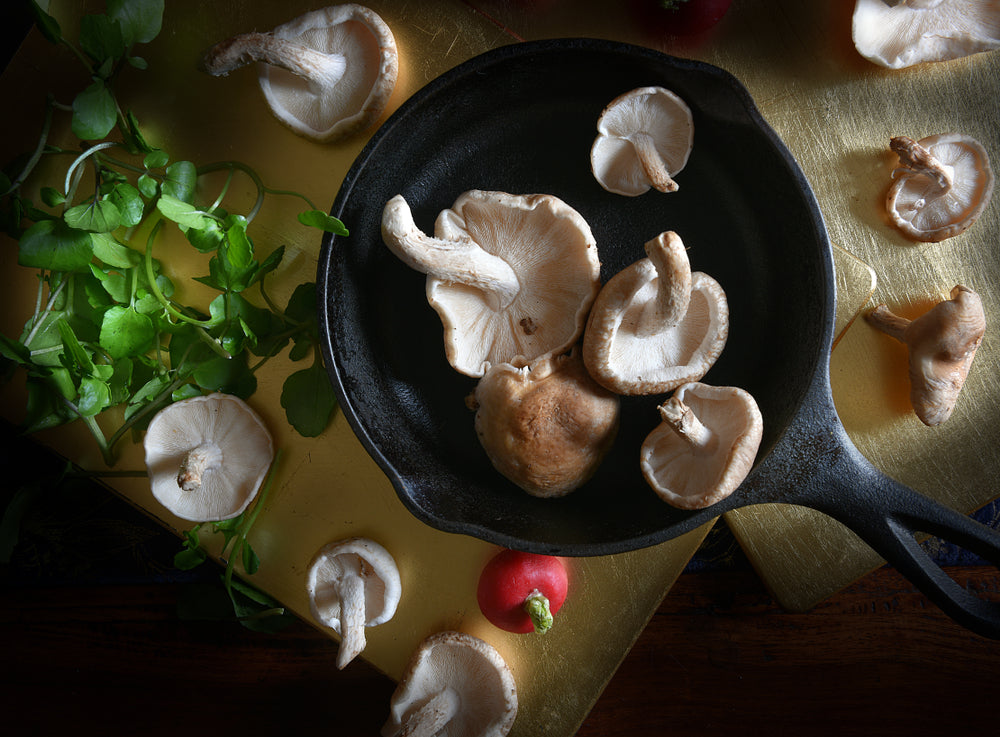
[36, 155]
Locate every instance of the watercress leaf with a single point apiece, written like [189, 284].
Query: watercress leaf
[51, 196]
[185, 391]
[146, 301]
[155, 159]
[188, 559]
[101, 39]
[309, 400]
[181, 212]
[114, 284]
[75, 356]
[52, 244]
[125, 332]
[14, 350]
[131, 133]
[94, 113]
[319, 219]
[238, 247]
[43, 408]
[300, 350]
[129, 202]
[302, 304]
[256, 610]
[45, 23]
[140, 20]
[250, 560]
[113, 253]
[98, 217]
[120, 382]
[94, 396]
[137, 62]
[147, 186]
[180, 180]
[150, 390]
[227, 375]
[207, 238]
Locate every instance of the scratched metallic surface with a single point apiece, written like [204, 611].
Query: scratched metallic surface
[834, 110]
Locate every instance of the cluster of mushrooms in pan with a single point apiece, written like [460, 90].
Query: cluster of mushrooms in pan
[515, 280]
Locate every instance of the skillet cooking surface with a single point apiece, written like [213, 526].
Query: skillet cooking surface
[521, 119]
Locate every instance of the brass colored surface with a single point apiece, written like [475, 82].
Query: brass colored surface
[833, 109]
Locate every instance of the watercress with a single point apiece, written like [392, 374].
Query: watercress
[105, 330]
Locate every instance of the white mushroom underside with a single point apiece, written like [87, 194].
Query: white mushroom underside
[662, 116]
[682, 482]
[558, 284]
[298, 103]
[899, 36]
[327, 573]
[918, 201]
[245, 449]
[474, 671]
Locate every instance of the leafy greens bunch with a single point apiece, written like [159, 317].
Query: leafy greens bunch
[105, 330]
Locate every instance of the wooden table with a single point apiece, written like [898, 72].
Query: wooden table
[93, 644]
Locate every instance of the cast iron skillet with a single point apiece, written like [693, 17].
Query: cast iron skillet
[521, 119]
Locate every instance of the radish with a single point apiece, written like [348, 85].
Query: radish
[520, 592]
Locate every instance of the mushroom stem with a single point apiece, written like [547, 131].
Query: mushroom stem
[652, 163]
[322, 71]
[536, 604]
[673, 285]
[196, 463]
[682, 420]
[461, 261]
[352, 618]
[888, 322]
[432, 715]
[916, 158]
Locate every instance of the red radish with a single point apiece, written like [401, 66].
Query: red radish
[519, 592]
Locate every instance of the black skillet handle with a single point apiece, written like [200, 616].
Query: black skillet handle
[888, 515]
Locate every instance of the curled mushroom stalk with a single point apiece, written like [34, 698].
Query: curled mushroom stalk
[901, 33]
[644, 138]
[455, 685]
[704, 446]
[943, 184]
[510, 276]
[326, 75]
[546, 426]
[353, 584]
[656, 325]
[942, 344]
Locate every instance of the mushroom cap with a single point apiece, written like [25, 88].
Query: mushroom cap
[553, 253]
[905, 33]
[625, 355]
[925, 211]
[358, 98]
[356, 555]
[220, 421]
[690, 477]
[651, 116]
[471, 669]
[546, 426]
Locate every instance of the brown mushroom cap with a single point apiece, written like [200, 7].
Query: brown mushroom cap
[546, 426]
[906, 32]
[644, 138]
[511, 276]
[942, 344]
[455, 685]
[656, 325]
[207, 457]
[942, 186]
[704, 447]
[326, 75]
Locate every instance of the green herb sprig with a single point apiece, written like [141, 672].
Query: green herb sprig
[105, 330]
